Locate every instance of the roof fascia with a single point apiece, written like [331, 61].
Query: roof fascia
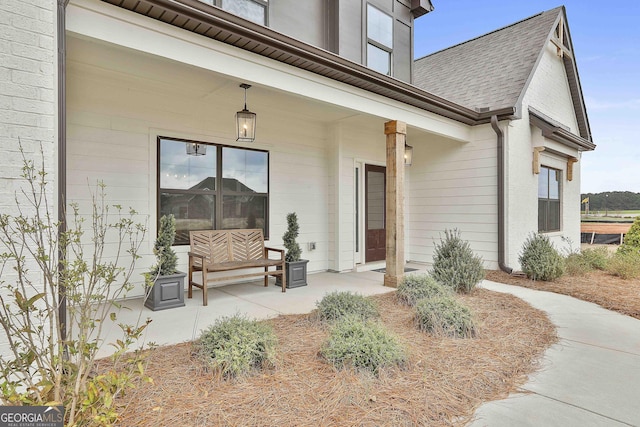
[556, 132]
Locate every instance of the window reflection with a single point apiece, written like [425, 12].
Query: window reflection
[189, 190]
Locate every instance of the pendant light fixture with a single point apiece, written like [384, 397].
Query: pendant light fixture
[194, 149]
[245, 121]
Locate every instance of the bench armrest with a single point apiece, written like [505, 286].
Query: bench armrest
[194, 255]
[267, 250]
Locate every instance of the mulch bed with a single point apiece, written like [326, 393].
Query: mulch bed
[444, 382]
[608, 291]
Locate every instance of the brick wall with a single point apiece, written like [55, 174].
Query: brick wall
[28, 62]
[27, 87]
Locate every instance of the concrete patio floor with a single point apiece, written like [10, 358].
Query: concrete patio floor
[182, 324]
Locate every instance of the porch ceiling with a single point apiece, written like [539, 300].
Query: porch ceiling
[214, 23]
[161, 75]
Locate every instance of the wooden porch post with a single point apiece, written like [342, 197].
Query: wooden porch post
[396, 133]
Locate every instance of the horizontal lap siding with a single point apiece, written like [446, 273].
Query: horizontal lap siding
[453, 185]
[115, 117]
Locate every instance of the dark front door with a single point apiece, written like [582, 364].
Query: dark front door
[375, 239]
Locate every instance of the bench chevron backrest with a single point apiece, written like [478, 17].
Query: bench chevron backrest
[228, 245]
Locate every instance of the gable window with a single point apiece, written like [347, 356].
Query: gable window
[379, 40]
[226, 188]
[251, 10]
[549, 190]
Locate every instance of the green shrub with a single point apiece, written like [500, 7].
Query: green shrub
[455, 265]
[631, 241]
[625, 265]
[235, 345]
[444, 315]
[336, 305]
[362, 344]
[540, 260]
[414, 287]
[597, 258]
[576, 264]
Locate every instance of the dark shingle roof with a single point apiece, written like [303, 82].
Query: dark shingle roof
[488, 71]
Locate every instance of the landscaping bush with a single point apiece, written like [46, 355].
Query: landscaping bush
[444, 315]
[236, 345]
[414, 287]
[576, 264]
[597, 258]
[362, 344]
[625, 265]
[336, 305]
[631, 241]
[455, 265]
[540, 260]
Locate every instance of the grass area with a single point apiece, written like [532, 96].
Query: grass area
[441, 384]
[592, 218]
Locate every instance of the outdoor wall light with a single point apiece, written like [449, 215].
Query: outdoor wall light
[245, 121]
[408, 154]
[194, 149]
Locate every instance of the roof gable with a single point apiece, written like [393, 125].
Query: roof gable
[493, 71]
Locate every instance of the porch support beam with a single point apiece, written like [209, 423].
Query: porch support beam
[396, 134]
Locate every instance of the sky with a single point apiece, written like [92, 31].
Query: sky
[606, 44]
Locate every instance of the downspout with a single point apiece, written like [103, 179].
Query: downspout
[62, 163]
[501, 223]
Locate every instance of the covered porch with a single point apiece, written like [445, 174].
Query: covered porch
[249, 298]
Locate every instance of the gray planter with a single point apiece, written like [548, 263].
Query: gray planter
[167, 292]
[296, 272]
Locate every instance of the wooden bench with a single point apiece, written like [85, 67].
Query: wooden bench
[219, 251]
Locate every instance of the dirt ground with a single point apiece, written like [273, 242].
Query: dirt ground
[442, 384]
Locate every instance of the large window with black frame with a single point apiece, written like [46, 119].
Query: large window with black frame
[549, 196]
[211, 186]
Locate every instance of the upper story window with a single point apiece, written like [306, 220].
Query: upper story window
[224, 188]
[549, 196]
[251, 10]
[379, 40]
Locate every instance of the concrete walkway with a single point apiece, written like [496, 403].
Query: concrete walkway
[590, 378]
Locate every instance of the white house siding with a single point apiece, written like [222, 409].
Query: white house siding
[453, 185]
[116, 112]
[548, 92]
[28, 72]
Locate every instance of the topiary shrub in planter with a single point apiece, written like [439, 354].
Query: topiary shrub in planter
[444, 315]
[454, 263]
[235, 346]
[540, 260]
[337, 305]
[296, 268]
[164, 283]
[361, 344]
[631, 241]
[414, 287]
